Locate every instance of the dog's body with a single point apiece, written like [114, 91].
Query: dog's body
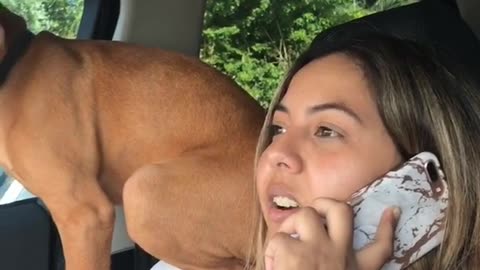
[85, 125]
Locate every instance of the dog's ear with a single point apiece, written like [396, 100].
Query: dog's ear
[11, 25]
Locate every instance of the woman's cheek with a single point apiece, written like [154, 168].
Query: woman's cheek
[337, 179]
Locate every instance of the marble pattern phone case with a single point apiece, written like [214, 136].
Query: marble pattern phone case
[422, 200]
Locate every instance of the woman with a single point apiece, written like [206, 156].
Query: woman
[348, 112]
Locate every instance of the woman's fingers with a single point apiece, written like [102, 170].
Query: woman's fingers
[305, 224]
[297, 240]
[325, 233]
[376, 254]
[339, 221]
[327, 220]
[278, 252]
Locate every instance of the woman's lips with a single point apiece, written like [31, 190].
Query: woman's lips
[276, 215]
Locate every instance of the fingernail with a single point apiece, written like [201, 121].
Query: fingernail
[396, 212]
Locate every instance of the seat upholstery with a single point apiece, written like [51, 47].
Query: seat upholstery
[27, 236]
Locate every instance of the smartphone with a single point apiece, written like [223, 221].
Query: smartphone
[419, 188]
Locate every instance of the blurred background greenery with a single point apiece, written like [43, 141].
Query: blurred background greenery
[252, 41]
[255, 41]
[61, 17]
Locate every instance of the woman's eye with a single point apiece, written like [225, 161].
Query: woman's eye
[326, 132]
[276, 130]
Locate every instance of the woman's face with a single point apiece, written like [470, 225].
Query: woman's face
[329, 140]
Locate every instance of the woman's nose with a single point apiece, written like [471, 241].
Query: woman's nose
[284, 155]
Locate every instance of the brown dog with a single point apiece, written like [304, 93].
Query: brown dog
[85, 125]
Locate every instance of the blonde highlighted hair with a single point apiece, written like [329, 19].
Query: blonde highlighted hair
[425, 106]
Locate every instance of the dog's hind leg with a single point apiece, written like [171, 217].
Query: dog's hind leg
[184, 213]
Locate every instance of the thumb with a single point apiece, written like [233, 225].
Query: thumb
[377, 253]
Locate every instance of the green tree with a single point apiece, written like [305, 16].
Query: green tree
[255, 41]
[380, 5]
[61, 17]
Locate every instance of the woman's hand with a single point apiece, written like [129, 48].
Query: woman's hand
[304, 242]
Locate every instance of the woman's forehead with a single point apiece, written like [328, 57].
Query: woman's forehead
[335, 78]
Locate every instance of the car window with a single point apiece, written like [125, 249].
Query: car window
[61, 17]
[255, 41]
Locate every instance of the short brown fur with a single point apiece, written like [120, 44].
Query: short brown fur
[86, 125]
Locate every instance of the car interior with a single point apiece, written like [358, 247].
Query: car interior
[28, 237]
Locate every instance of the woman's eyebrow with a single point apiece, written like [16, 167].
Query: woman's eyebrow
[281, 108]
[323, 107]
[334, 106]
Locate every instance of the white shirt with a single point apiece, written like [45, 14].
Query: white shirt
[164, 266]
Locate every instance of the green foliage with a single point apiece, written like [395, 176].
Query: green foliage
[61, 17]
[388, 4]
[255, 41]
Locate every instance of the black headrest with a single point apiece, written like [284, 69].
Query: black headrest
[434, 22]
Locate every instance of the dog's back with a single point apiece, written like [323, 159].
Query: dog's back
[145, 104]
